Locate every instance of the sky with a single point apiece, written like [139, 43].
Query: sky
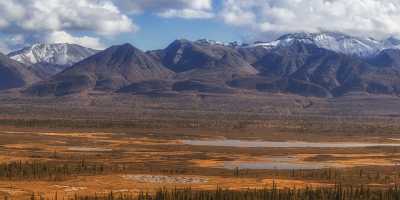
[153, 24]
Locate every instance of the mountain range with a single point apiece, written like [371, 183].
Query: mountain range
[311, 64]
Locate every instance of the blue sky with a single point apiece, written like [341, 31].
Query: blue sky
[156, 32]
[153, 24]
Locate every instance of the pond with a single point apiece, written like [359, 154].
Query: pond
[278, 163]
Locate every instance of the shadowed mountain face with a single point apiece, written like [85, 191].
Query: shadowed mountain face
[387, 58]
[109, 70]
[297, 67]
[306, 69]
[198, 67]
[14, 74]
[195, 60]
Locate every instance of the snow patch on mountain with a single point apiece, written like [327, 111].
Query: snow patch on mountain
[56, 54]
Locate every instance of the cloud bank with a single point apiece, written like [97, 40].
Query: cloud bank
[53, 15]
[187, 9]
[58, 20]
[91, 22]
[375, 18]
[64, 37]
[51, 20]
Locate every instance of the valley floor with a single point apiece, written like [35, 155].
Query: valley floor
[91, 144]
[50, 162]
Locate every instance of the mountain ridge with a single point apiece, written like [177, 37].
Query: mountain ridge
[111, 69]
[338, 42]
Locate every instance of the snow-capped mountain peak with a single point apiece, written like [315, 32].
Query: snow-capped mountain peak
[338, 42]
[214, 42]
[56, 54]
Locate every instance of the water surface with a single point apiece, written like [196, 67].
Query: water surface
[285, 144]
[277, 163]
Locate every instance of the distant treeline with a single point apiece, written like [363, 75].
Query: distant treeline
[112, 124]
[37, 170]
[333, 193]
[293, 124]
[77, 124]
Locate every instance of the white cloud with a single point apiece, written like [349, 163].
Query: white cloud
[377, 18]
[64, 37]
[34, 20]
[188, 9]
[100, 16]
[187, 14]
[7, 42]
[10, 11]
[239, 13]
[23, 22]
